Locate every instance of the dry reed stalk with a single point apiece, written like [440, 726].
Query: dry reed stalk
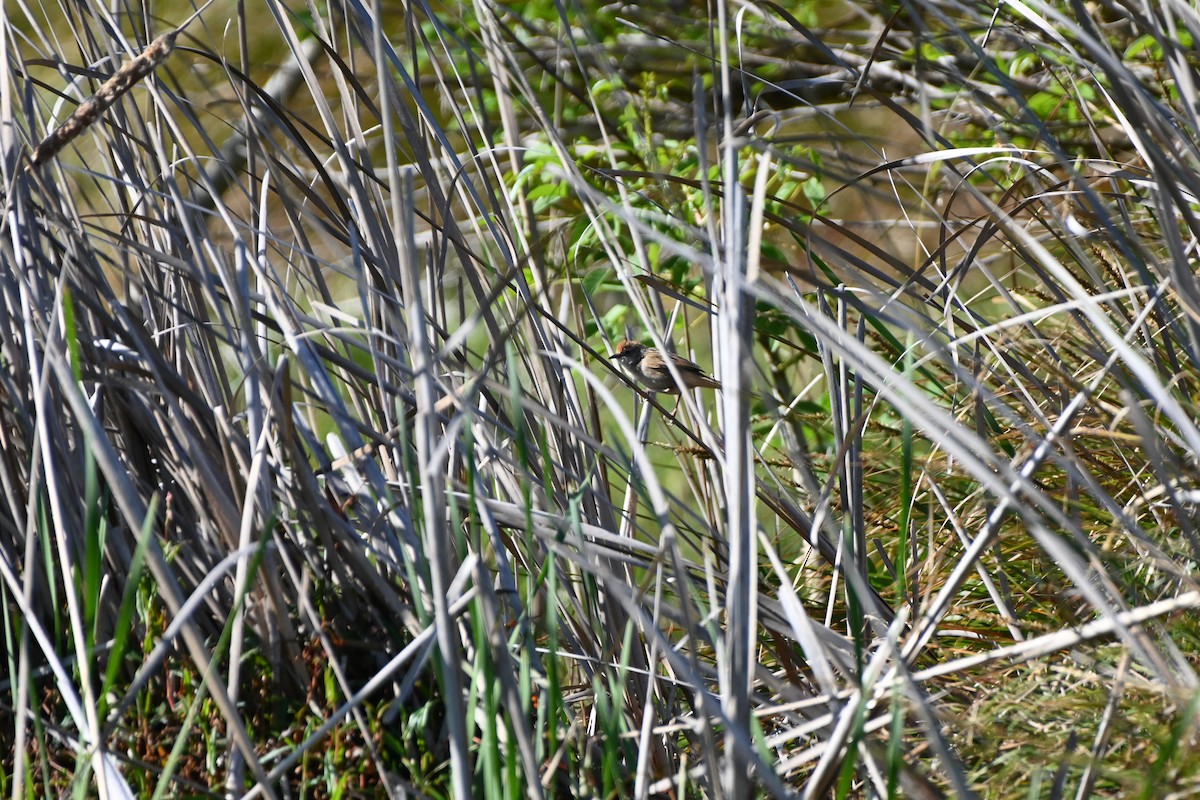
[121, 82]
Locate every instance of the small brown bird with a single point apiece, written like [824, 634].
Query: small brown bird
[648, 367]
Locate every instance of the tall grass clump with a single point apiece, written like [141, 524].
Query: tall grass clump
[319, 481]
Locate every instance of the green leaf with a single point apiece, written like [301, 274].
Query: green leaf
[600, 278]
[814, 190]
[1044, 104]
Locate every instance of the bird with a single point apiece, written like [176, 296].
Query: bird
[648, 367]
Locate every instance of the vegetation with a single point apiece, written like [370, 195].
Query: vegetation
[318, 480]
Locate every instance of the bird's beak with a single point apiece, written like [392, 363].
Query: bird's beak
[614, 356]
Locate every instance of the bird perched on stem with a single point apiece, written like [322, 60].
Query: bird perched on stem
[648, 366]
